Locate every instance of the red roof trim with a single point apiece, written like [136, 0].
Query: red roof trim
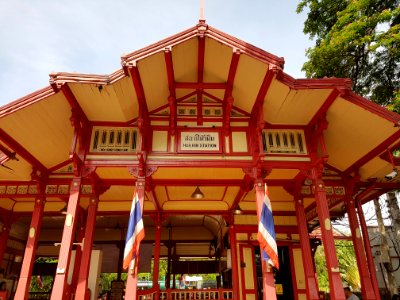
[373, 153]
[372, 107]
[26, 101]
[314, 83]
[209, 32]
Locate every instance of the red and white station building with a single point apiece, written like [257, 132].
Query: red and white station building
[198, 109]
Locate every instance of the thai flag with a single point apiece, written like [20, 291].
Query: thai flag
[135, 233]
[266, 232]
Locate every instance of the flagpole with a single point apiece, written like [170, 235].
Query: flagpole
[269, 292]
[132, 278]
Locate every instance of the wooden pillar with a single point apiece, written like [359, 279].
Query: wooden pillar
[30, 250]
[131, 282]
[169, 246]
[309, 271]
[78, 254]
[157, 245]
[5, 234]
[366, 283]
[367, 247]
[335, 282]
[235, 267]
[269, 291]
[60, 288]
[81, 289]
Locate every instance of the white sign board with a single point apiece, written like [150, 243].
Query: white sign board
[205, 141]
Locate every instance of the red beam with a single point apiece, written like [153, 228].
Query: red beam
[269, 76]
[231, 75]
[73, 102]
[200, 59]
[170, 72]
[324, 108]
[6, 152]
[201, 86]
[137, 83]
[19, 149]
[374, 152]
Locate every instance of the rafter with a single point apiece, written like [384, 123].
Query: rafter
[324, 108]
[269, 76]
[228, 99]
[200, 76]
[73, 102]
[143, 118]
[21, 151]
[231, 74]
[170, 72]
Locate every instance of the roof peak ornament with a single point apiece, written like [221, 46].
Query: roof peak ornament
[202, 18]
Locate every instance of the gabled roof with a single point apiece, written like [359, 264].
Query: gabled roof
[207, 62]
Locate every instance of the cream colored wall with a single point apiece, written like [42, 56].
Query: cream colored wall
[94, 271]
[160, 141]
[239, 142]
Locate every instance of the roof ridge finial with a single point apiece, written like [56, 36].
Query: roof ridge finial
[202, 19]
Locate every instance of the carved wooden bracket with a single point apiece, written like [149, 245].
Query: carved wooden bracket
[141, 170]
[40, 180]
[258, 172]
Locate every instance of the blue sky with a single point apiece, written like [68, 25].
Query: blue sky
[89, 36]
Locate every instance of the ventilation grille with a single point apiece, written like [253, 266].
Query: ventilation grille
[209, 111]
[284, 141]
[114, 139]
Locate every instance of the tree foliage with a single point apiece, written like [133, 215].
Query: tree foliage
[347, 265]
[358, 39]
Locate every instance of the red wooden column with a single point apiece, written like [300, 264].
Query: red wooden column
[367, 247]
[81, 289]
[335, 282]
[366, 283]
[5, 234]
[269, 291]
[131, 282]
[78, 252]
[235, 267]
[60, 286]
[30, 250]
[157, 245]
[309, 271]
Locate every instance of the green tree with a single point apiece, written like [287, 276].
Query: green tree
[347, 265]
[358, 39]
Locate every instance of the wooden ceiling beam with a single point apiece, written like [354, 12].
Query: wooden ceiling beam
[231, 74]
[73, 102]
[170, 72]
[228, 99]
[21, 151]
[200, 76]
[324, 108]
[262, 92]
[143, 118]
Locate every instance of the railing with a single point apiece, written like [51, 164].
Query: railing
[196, 294]
[150, 294]
[39, 295]
[155, 294]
